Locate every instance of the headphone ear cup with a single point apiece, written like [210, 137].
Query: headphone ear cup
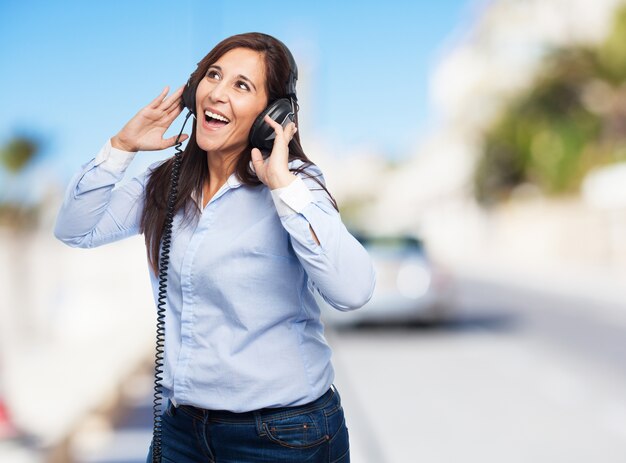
[262, 134]
[189, 97]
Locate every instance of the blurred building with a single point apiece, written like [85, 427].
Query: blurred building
[488, 63]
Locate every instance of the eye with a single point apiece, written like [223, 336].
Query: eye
[212, 74]
[242, 85]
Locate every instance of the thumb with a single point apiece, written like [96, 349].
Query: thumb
[257, 157]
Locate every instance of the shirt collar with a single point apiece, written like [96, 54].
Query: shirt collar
[232, 181]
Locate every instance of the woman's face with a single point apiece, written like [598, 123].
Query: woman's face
[228, 100]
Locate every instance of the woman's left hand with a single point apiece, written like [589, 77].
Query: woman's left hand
[274, 171]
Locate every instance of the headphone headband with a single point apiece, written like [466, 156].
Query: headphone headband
[293, 72]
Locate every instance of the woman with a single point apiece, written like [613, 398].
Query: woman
[247, 369]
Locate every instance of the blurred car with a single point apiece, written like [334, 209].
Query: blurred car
[410, 287]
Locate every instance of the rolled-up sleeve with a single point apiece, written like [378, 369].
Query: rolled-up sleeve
[93, 211]
[339, 267]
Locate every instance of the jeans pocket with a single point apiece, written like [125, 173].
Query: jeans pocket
[298, 431]
[338, 431]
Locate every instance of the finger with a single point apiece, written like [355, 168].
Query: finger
[281, 134]
[173, 99]
[159, 99]
[275, 125]
[169, 142]
[292, 129]
[174, 110]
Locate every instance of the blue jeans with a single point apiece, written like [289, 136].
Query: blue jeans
[314, 433]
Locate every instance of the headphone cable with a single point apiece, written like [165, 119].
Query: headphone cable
[163, 266]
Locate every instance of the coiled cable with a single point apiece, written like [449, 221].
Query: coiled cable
[162, 296]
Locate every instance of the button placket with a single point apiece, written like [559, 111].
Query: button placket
[181, 381]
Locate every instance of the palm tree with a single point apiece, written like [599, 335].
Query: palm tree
[15, 157]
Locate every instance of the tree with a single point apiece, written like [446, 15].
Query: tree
[570, 120]
[15, 157]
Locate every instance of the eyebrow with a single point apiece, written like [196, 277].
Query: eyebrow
[239, 76]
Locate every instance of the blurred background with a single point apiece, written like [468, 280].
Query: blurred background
[476, 148]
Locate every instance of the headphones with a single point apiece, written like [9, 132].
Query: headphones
[282, 110]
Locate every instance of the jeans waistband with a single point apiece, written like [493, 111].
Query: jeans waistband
[251, 416]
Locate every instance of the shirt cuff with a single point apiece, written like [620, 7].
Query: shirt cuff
[113, 159]
[292, 198]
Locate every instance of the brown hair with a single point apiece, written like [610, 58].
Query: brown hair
[194, 168]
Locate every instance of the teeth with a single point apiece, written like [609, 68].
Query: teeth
[216, 116]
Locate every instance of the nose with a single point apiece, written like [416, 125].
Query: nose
[218, 93]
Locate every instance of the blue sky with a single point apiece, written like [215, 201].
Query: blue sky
[75, 71]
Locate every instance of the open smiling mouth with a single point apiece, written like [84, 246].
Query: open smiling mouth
[214, 121]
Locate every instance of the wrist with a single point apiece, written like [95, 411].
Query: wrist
[120, 145]
[281, 181]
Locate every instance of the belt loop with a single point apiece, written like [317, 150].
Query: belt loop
[258, 419]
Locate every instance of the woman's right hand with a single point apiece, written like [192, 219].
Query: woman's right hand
[144, 132]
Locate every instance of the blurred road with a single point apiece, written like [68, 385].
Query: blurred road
[520, 376]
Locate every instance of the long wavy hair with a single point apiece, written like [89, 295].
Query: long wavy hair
[194, 170]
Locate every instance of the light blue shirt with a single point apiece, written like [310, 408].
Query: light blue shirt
[242, 328]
